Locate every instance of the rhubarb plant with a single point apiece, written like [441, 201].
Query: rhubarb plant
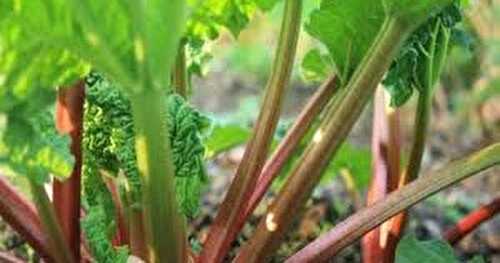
[123, 128]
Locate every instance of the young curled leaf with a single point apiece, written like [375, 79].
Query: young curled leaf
[108, 140]
[99, 231]
[185, 124]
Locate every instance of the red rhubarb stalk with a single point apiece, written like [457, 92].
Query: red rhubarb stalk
[121, 237]
[22, 216]
[472, 221]
[66, 194]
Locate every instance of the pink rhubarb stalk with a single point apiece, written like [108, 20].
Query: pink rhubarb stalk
[385, 169]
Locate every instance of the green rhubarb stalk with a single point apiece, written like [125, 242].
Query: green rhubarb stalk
[226, 227]
[58, 245]
[437, 53]
[163, 221]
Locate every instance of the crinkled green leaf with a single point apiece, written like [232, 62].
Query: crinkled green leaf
[108, 140]
[347, 29]
[411, 250]
[185, 125]
[316, 66]
[99, 232]
[99, 223]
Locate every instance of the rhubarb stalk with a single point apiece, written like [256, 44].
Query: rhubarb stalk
[472, 221]
[385, 173]
[289, 144]
[164, 224]
[225, 227]
[351, 229]
[437, 54]
[59, 247]
[22, 216]
[179, 76]
[66, 194]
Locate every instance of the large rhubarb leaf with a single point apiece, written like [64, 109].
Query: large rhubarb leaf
[347, 29]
